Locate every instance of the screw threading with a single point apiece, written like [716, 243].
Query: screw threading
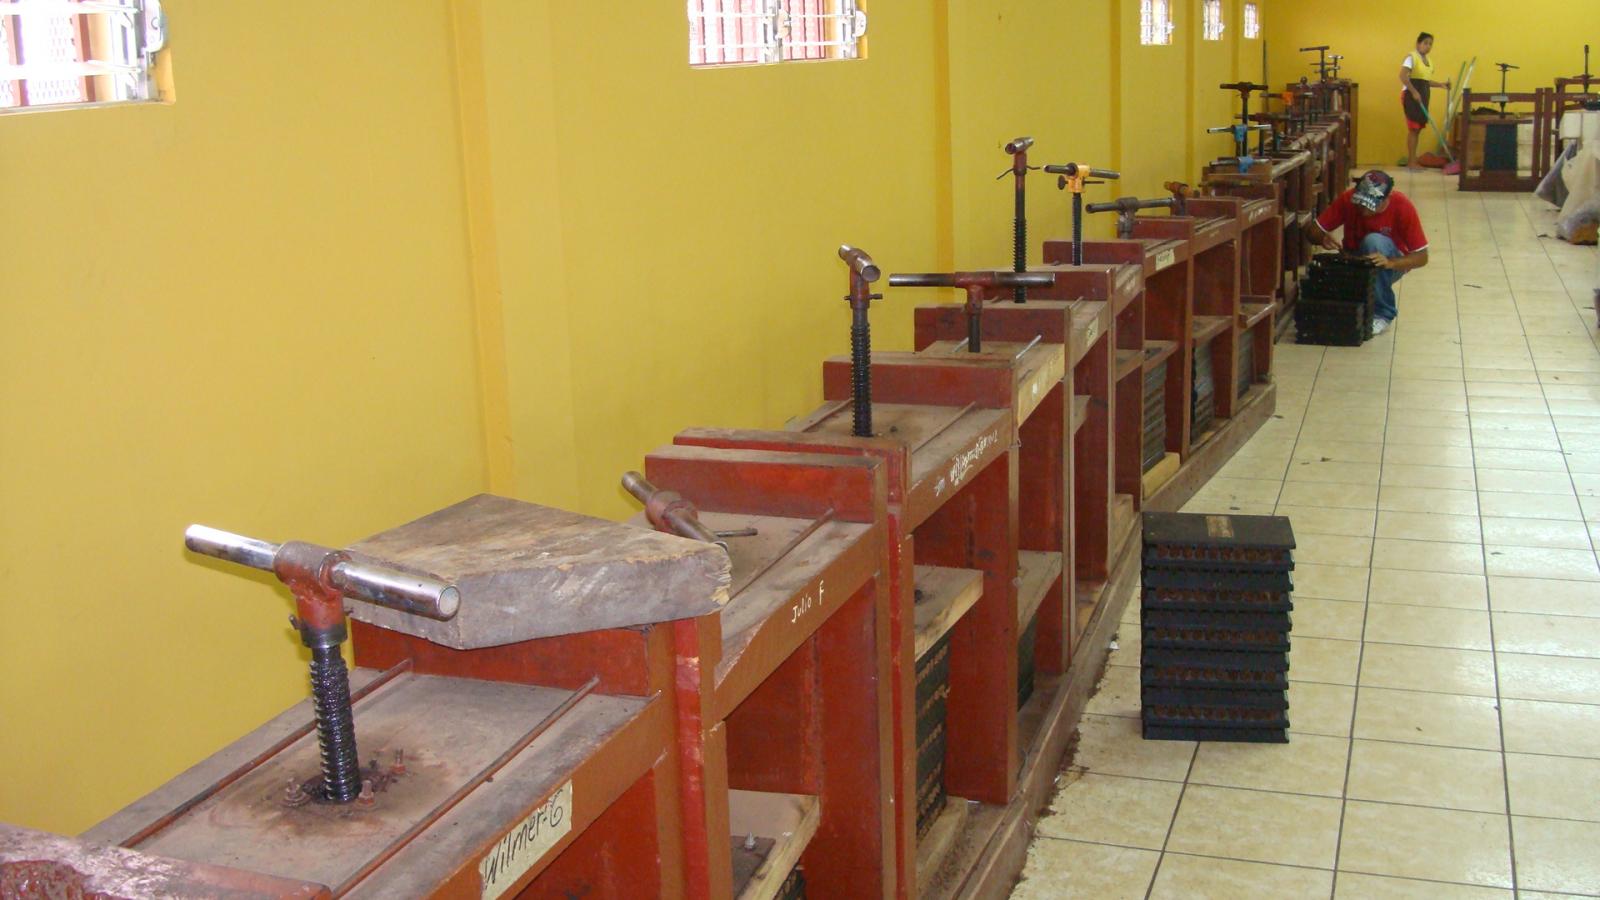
[1019, 245]
[336, 734]
[861, 370]
[1077, 229]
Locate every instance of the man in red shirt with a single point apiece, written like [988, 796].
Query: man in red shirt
[1379, 223]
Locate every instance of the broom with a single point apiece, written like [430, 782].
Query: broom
[1453, 167]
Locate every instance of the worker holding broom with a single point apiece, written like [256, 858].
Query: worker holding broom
[1416, 74]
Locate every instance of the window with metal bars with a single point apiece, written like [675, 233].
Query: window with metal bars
[1155, 22]
[1213, 26]
[69, 53]
[751, 32]
[1252, 21]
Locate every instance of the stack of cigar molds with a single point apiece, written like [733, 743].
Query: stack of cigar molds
[1337, 299]
[1153, 443]
[1215, 614]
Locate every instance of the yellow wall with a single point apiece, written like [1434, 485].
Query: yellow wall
[1214, 63]
[1544, 37]
[1021, 67]
[270, 335]
[343, 292]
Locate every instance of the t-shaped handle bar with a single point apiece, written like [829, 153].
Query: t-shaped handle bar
[320, 578]
[975, 284]
[1129, 204]
[668, 511]
[970, 281]
[1243, 87]
[1314, 49]
[1127, 209]
[367, 581]
[1073, 177]
[1074, 174]
[1507, 66]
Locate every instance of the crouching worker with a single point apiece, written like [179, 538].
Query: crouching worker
[1379, 223]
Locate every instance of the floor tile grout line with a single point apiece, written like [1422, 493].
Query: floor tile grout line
[1361, 652]
[1383, 687]
[1172, 823]
[1505, 768]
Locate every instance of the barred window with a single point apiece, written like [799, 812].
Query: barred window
[64, 53]
[1252, 21]
[1155, 22]
[1213, 24]
[749, 32]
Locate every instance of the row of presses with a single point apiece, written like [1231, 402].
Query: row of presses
[839, 660]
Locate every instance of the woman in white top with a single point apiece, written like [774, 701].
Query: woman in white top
[1416, 74]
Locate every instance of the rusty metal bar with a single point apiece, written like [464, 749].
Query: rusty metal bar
[449, 803]
[975, 284]
[669, 511]
[1030, 345]
[182, 809]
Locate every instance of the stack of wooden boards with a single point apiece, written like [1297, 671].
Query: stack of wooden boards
[1215, 627]
[1336, 301]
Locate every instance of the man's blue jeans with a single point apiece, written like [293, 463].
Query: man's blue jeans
[1378, 243]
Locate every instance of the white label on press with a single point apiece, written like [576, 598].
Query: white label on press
[1164, 259]
[527, 843]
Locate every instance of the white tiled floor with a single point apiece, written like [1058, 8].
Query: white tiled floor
[1444, 485]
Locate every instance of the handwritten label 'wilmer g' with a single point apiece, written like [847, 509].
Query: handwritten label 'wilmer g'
[527, 843]
[961, 466]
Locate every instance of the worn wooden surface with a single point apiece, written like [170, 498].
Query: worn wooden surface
[1037, 570]
[37, 864]
[1160, 474]
[945, 596]
[934, 850]
[450, 728]
[789, 820]
[1036, 369]
[797, 592]
[528, 571]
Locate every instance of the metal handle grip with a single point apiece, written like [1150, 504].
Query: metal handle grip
[367, 581]
[962, 279]
[1072, 169]
[1314, 49]
[860, 262]
[1119, 205]
[1242, 86]
[1017, 145]
[669, 509]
